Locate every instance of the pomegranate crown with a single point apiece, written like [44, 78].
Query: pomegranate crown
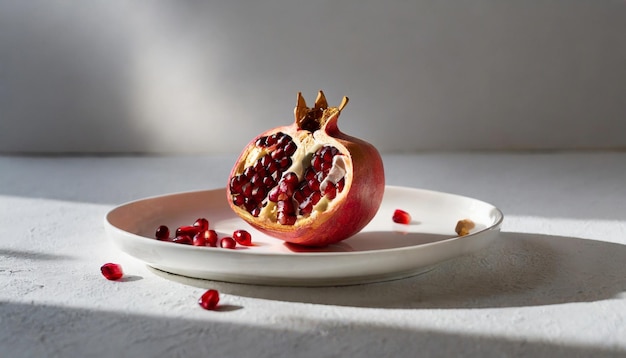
[312, 119]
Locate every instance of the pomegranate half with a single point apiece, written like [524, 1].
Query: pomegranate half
[308, 183]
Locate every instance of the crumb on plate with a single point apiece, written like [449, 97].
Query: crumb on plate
[464, 226]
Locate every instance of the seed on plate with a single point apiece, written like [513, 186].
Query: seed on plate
[242, 237]
[401, 217]
[199, 239]
[188, 230]
[162, 233]
[201, 223]
[228, 243]
[211, 237]
[183, 239]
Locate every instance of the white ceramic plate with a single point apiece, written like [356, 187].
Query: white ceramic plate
[383, 250]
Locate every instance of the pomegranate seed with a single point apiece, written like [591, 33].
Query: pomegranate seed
[327, 154]
[112, 271]
[286, 219]
[209, 300]
[235, 184]
[257, 165]
[284, 163]
[316, 163]
[340, 184]
[247, 190]
[271, 140]
[306, 190]
[242, 237]
[183, 239]
[261, 171]
[284, 140]
[274, 194]
[315, 197]
[290, 148]
[298, 196]
[261, 142]
[277, 175]
[210, 237]
[162, 233]
[314, 184]
[199, 239]
[187, 230]
[278, 154]
[285, 206]
[238, 200]
[256, 179]
[266, 160]
[284, 192]
[228, 243]
[269, 182]
[326, 166]
[309, 173]
[272, 167]
[256, 212]
[258, 194]
[401, 217]
[330, 191]
[291, 179]
[306, 207]
[249, 204]
[248, 172]
[201, 223]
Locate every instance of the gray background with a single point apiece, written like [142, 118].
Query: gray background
[207, 76]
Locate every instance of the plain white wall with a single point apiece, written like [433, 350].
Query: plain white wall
[207, 76]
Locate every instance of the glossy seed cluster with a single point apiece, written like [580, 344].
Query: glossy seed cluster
[200, 234]
[266, 180]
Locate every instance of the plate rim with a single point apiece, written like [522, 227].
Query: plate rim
[135, 237]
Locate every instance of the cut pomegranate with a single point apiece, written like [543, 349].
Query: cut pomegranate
[401, 217]
[209, 300]
[308, 183]
[112, 271]
[162, 233]
[242, 237]
[228, 243]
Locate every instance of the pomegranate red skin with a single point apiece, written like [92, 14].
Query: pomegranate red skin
[357, 207]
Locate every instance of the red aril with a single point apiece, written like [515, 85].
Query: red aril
[188, 230]
[112, 271]
[209, 300]
[211, 237]
[162, 233]
[401, 217]
[201, 224]
[199, 239]
[308, 183]
[242, 237]
[228, 243]
[183, 239]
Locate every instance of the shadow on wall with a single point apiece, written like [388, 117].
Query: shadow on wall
[156, 76]
[519, 270]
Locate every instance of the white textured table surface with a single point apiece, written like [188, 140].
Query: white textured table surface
[554, 284]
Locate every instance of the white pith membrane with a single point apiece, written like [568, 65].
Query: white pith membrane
[307, 144]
